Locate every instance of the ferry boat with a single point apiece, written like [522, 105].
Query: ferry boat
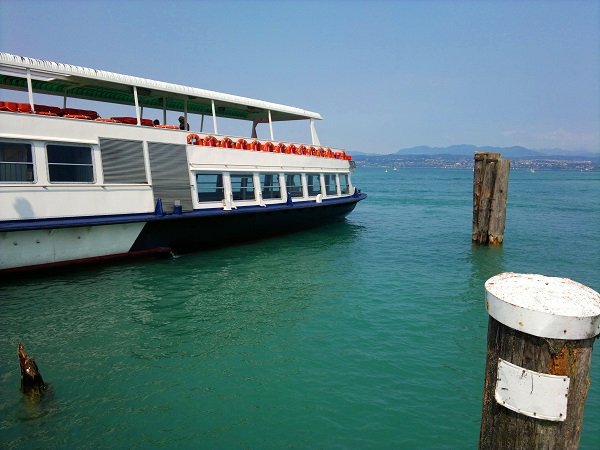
[78, 188]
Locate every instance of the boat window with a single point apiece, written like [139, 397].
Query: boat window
[330, 185]
[293, 184]
[344, 184]
[242, 186]
[210, 187]
[270, 185]
[313, 183]
[70, 163]
[16, 163]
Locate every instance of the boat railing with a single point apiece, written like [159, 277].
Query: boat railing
[201, 139]
[240, 143]
[75, 113]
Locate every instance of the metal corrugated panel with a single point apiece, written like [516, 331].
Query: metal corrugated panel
[170, 175]
[123, 161]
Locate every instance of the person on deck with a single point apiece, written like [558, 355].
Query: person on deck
[181, 124]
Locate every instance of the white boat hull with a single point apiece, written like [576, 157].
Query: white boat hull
[29, 248]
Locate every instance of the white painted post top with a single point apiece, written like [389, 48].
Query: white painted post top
[548, 307]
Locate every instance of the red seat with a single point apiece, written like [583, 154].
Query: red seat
[127, 120]
[79, 112]
[46, 110]
[133, 121]
[24, 108]
[9, 106]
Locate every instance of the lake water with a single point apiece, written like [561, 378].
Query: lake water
[369, 333]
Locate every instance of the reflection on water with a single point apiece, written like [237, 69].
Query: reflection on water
[33, 407]
[485, 262]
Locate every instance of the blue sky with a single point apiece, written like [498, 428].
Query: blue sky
[385, 75]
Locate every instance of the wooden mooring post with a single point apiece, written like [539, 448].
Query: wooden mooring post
[490, 192]
[541, 333]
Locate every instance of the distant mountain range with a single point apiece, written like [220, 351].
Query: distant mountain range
[468, 150]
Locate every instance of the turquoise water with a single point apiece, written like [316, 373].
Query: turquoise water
[369, 333]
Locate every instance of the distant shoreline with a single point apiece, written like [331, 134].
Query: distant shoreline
[467, 162]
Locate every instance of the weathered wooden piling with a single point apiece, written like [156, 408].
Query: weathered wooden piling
[490, 192]
[31, 379]
[541, 333]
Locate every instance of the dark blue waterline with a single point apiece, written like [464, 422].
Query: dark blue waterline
[69, 222]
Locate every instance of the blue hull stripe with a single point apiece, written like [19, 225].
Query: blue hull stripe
[69, 222]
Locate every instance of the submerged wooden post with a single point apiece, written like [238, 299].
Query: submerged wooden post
[490, 192]
[541, 333]
[31, 379]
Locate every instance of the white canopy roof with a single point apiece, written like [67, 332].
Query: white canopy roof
[80, 82]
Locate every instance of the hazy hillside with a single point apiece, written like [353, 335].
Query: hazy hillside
[468, 150]
[465, 149]
[461, 156]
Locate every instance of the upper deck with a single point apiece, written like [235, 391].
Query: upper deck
[37, 76]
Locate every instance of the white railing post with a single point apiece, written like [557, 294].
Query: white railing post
[137, 105]
[30, 89]
[214, 111]
[313, 133]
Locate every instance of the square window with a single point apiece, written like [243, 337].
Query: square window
[344, 184]
[313, 184]
[330, 184]
[70, 163]
[270, 185]
[293, 185]
[210, 187]
[242, 186]
[16, 163]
